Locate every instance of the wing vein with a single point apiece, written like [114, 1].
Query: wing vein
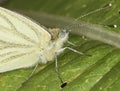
[6, 43]
[14, 30]
[15, 56]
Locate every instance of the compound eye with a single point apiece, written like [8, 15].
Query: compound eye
[62, 34]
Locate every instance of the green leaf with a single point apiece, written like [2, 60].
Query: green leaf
[99, 72]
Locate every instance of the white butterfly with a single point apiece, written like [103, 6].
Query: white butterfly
[23, 43]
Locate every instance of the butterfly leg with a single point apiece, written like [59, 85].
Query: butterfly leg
[56, 62]
[33, 71]
[71, 43]
[63, 84]
[69, 48]
[34, 68]
[30, 74]
[57, 69]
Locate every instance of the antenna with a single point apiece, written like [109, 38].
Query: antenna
[97, 10]
[89, 13]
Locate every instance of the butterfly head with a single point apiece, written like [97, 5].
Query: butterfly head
[57, 34]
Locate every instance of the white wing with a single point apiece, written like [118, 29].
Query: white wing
[19, 39]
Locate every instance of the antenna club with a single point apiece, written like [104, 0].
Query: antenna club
[115, 26]
[110, 4]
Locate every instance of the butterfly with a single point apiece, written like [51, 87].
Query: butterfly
[24, 43]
